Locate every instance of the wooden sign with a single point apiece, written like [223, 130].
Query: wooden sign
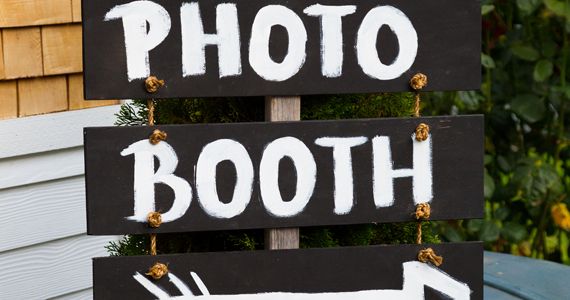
[245, 48]
[355, 273]
[269, 175]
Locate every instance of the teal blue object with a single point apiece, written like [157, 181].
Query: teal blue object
[508, 277]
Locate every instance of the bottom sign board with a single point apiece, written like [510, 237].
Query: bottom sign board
[359, 273]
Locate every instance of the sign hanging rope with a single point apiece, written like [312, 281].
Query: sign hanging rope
[423, 210]
[154, 219]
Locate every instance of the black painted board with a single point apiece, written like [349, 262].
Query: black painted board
[448, 38]
[457, 174]
[344, 273]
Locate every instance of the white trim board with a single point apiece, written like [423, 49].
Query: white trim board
[50, 132]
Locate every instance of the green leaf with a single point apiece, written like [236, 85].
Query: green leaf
[487, 8]
[503, 163]
[528, 6]
[453, 235]
[488, 159]
[514, 232]
[525, 52]
[489, 185]
[487, 61]
[489, 232]
[502, 213]
[559, 8]
[549, 48]
[564, 246]
[474, 225]
[529, 107]
[542, 70]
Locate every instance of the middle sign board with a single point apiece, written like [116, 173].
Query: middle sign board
[259, 175]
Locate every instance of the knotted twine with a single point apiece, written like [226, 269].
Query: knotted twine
[418, 82]
[154, 219]
[422, 132]
[153, 84]
[428, 255]
[423, 210]
[157, 271]
[157, 136]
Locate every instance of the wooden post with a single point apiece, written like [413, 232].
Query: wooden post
[282, 109]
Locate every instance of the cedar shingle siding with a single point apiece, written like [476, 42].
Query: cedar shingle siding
[40, 45]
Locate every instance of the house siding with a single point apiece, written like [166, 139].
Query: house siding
[42, 200]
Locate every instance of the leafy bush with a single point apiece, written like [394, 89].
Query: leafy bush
[525, 99]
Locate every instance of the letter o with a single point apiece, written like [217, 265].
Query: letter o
[212, 154]
[259, 57]
[269, 176]
[367, 36]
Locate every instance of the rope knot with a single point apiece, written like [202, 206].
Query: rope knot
[154, 219]
[418, 81]
[152, 84]
[422, 132]
[157, 271]
[428, 255]
[157, 136]
[423, 211]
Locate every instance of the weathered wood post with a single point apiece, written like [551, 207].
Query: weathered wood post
[282, 109]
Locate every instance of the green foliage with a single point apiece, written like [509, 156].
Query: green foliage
[525, 98]
[129, 245]
[252, 109]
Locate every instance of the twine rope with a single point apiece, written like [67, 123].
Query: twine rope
[429, 256]
[157, 271]
[152, 84]
[422, 132]
[153, 244]
[157, 136]
[423, 212]
[154, 220]
[418, 82]
[150, 107]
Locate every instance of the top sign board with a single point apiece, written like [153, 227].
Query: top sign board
[276, 47]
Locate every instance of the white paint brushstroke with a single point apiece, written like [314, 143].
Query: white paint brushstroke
[384, 173]
[201, 286]
[139, 39]
[305, 166]
[259, 57]
[180, 285]
[416, 276]
[194, 40]
[367, 36]
[151, 287]
[212, 154]
[343, 178]
[145, 178]
[330, 16]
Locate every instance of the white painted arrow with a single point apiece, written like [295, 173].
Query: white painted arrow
[416, 276]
